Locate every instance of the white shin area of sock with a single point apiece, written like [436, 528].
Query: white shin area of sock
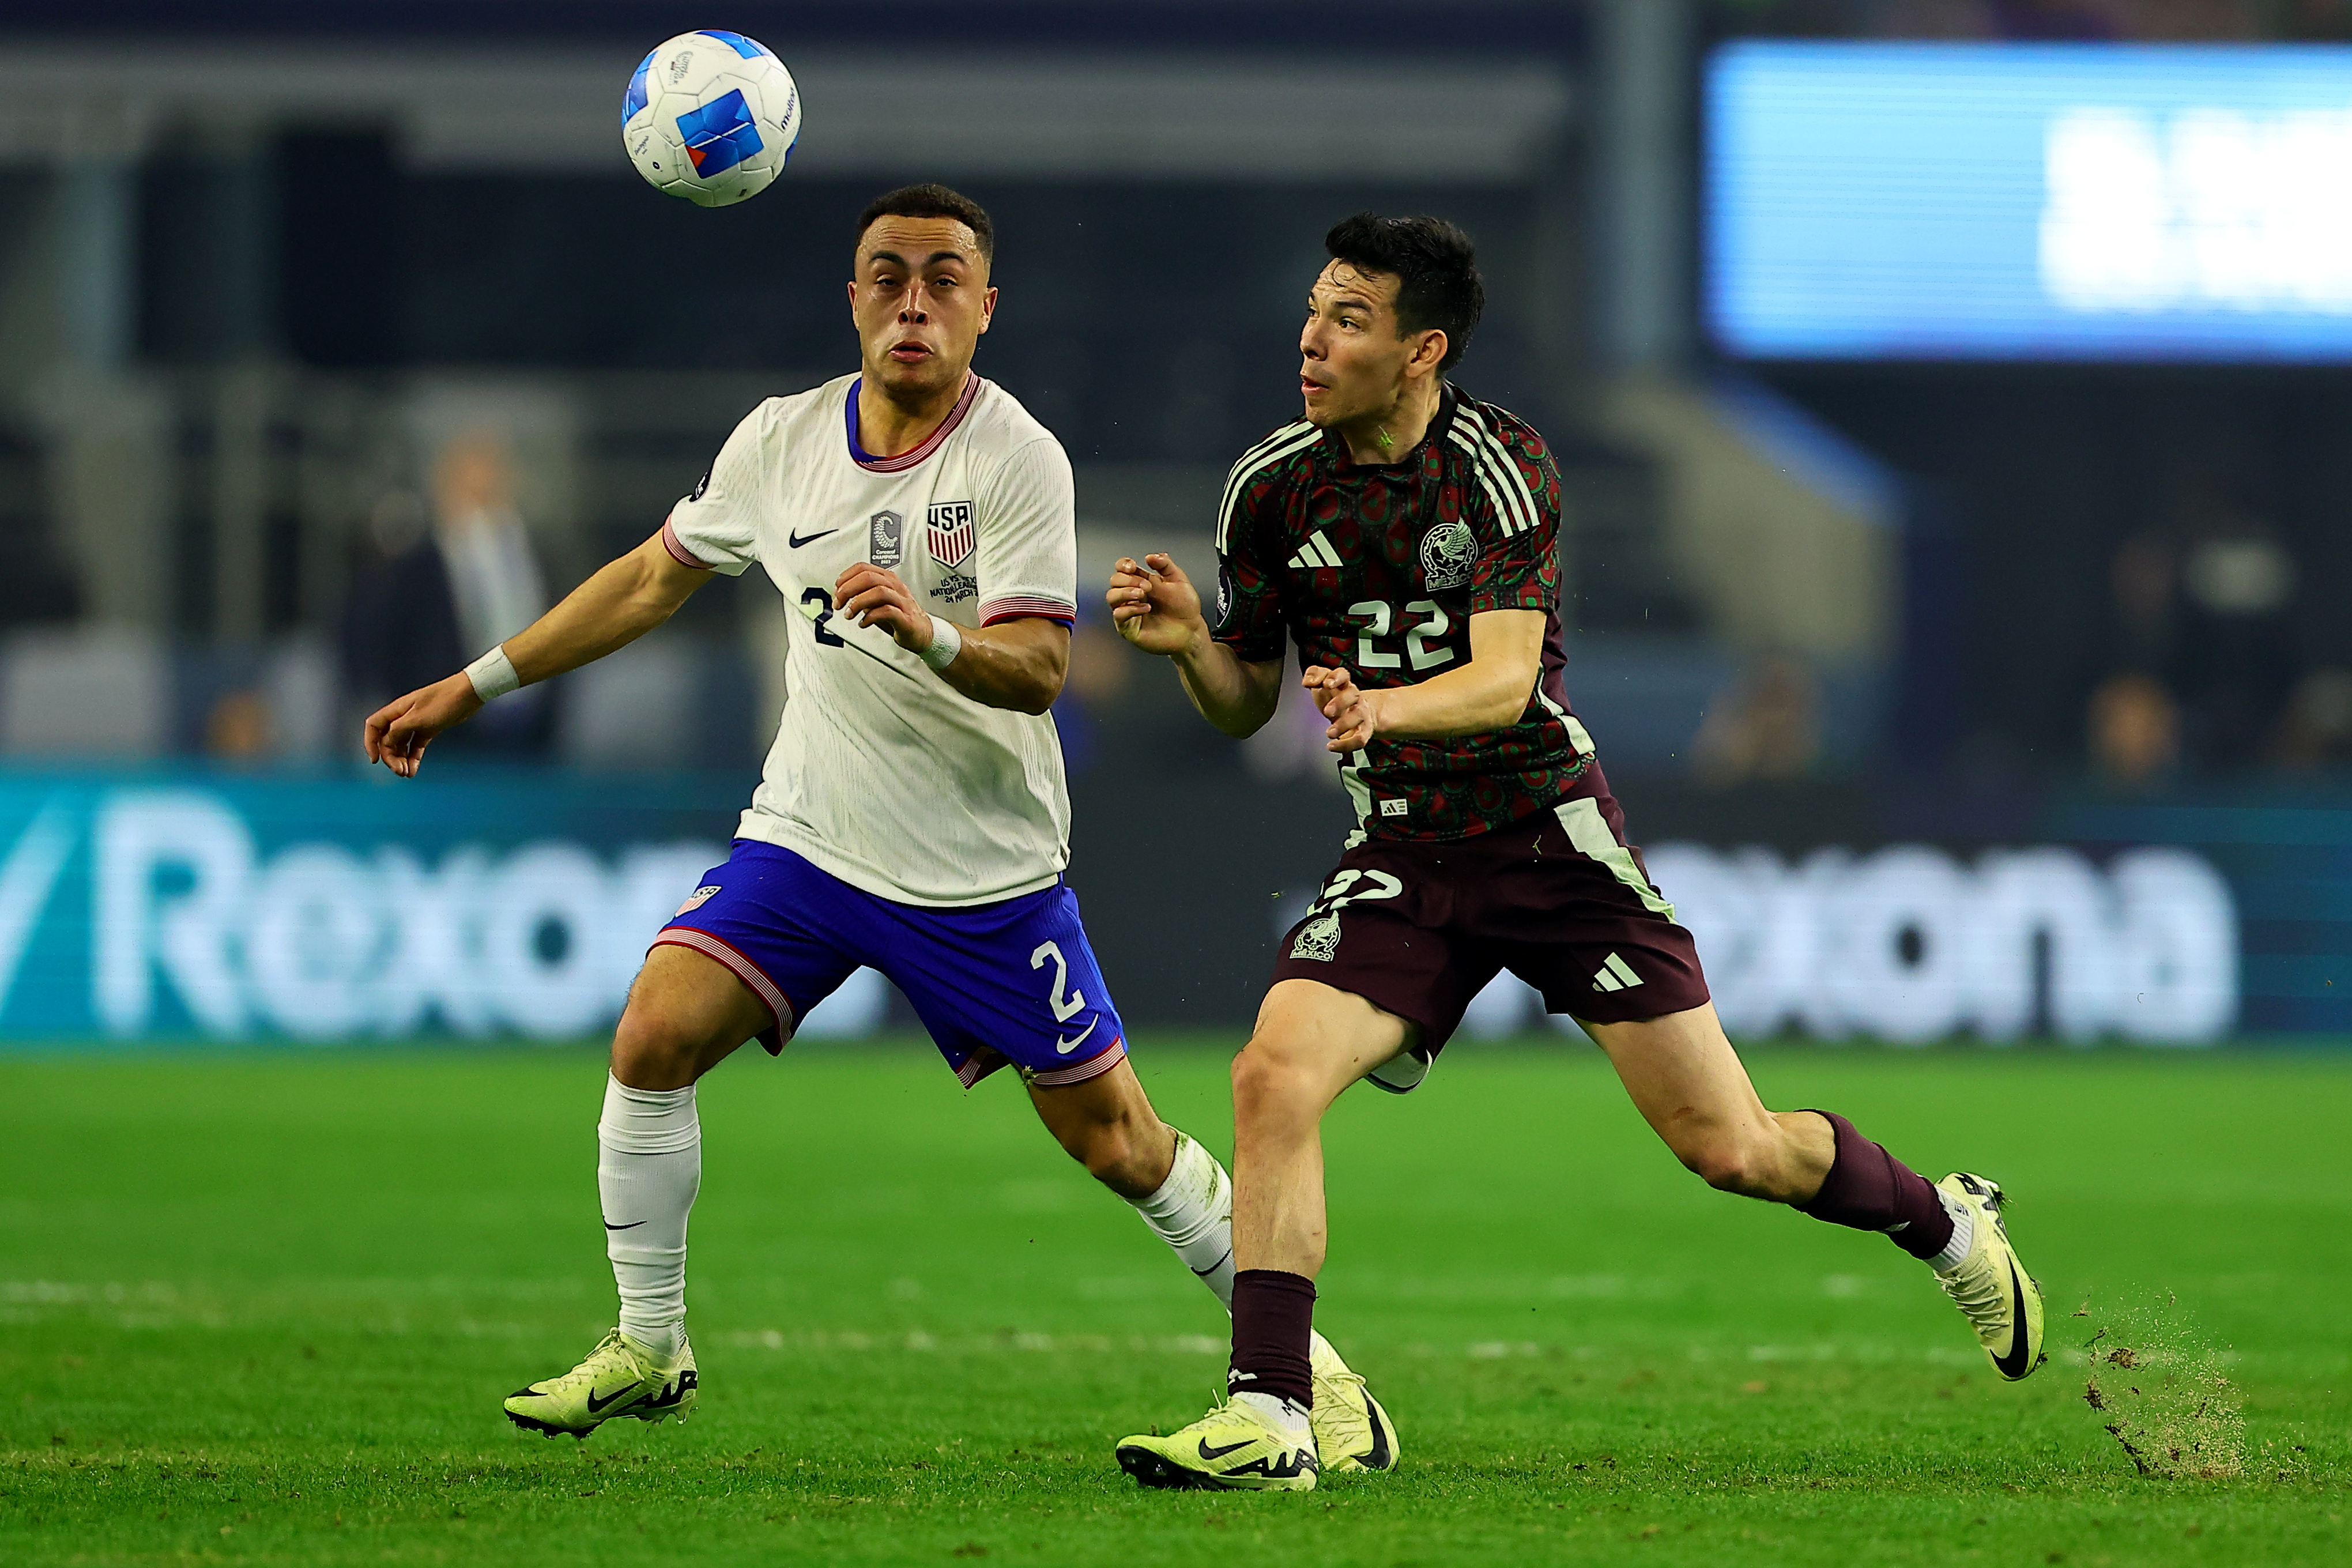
[1964, 1235]
[1193, 1212]
[649, 1168]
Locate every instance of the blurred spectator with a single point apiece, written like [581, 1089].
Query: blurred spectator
[2142, 581]
[1766, 725]
[440, 599]
[2135, 726]
[2316, 731]
[238, 728]
[36, 586]
[2234, 662]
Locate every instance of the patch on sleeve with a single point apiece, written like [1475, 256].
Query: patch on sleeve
[700, 897]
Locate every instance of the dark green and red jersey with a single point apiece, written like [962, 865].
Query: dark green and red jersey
[1378, 569]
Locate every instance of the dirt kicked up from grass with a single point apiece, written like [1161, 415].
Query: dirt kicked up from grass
[262, 1309]
[2158, 1390]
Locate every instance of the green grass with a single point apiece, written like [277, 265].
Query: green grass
[262, 1309]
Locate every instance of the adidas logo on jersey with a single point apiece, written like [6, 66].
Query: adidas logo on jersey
[1616, 975]
[1315, 552]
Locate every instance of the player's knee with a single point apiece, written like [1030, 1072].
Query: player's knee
[651, 1050]
[1265, 1077]
[1112, 1154]
[1730, 1164]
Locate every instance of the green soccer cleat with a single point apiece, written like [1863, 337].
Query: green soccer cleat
[617, 1379]
[1232, 1448]
[2002, 1303]
[1351, 1431]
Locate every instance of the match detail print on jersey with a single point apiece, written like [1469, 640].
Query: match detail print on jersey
[1377, 569]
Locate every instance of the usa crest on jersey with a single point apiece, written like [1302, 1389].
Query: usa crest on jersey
[950, 532]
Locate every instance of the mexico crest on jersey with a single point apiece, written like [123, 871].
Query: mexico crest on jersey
[1448, 553]
[949, 533]
[886, 539]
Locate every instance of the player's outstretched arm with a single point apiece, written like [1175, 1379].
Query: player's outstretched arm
[624, 600]
[1487, 693]
[1156, 607]
[1017, 664]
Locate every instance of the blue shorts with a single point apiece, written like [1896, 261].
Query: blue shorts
[1013, 981]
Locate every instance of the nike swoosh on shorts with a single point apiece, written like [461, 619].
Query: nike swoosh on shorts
[1067, 1046]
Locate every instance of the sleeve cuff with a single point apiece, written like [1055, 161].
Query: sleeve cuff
[679, 552]
[1021, 606]
[1530, 597]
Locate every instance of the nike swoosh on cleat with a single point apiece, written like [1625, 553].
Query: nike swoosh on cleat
[2015, 1366]
[1380, 1459]
[598, 1406]
[1208, 1453]
[631, 1225]
[796, 540]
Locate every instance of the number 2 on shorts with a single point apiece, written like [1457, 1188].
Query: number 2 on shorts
[1064, 1011]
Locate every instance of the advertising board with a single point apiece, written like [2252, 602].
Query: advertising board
[339, 907]
[190, 905]
[2058, 201]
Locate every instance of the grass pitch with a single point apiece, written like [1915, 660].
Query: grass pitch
[263, 1308]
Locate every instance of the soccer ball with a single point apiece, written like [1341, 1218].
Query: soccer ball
[710, 116]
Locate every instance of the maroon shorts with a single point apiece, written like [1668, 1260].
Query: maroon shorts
[1558, 898]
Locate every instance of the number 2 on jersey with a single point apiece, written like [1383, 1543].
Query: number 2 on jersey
[824, 603]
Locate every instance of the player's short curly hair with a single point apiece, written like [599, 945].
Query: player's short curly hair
[931, 200]
[1437, 266]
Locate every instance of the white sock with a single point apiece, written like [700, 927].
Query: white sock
[1964, 1235]
[649, 1165]
[1287, 1419]
[1193, 1212]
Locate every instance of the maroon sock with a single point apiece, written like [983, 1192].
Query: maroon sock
[1870, 1189]
[1274, 1318]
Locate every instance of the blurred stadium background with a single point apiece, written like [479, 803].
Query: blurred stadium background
[1954, 438]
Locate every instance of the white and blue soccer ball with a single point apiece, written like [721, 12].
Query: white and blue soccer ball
[710, 116]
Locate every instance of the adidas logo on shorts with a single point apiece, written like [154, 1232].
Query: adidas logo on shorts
[1616, 975]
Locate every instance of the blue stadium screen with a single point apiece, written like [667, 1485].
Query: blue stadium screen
[2056, 202]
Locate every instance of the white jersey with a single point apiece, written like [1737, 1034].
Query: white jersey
[883, 773]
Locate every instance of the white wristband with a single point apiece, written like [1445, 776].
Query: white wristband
[493, 675]
[947, 641]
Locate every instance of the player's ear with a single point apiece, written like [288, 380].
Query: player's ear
[988, 307]
[1429, 352]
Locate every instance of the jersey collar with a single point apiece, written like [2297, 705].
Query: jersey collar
[906, 459]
